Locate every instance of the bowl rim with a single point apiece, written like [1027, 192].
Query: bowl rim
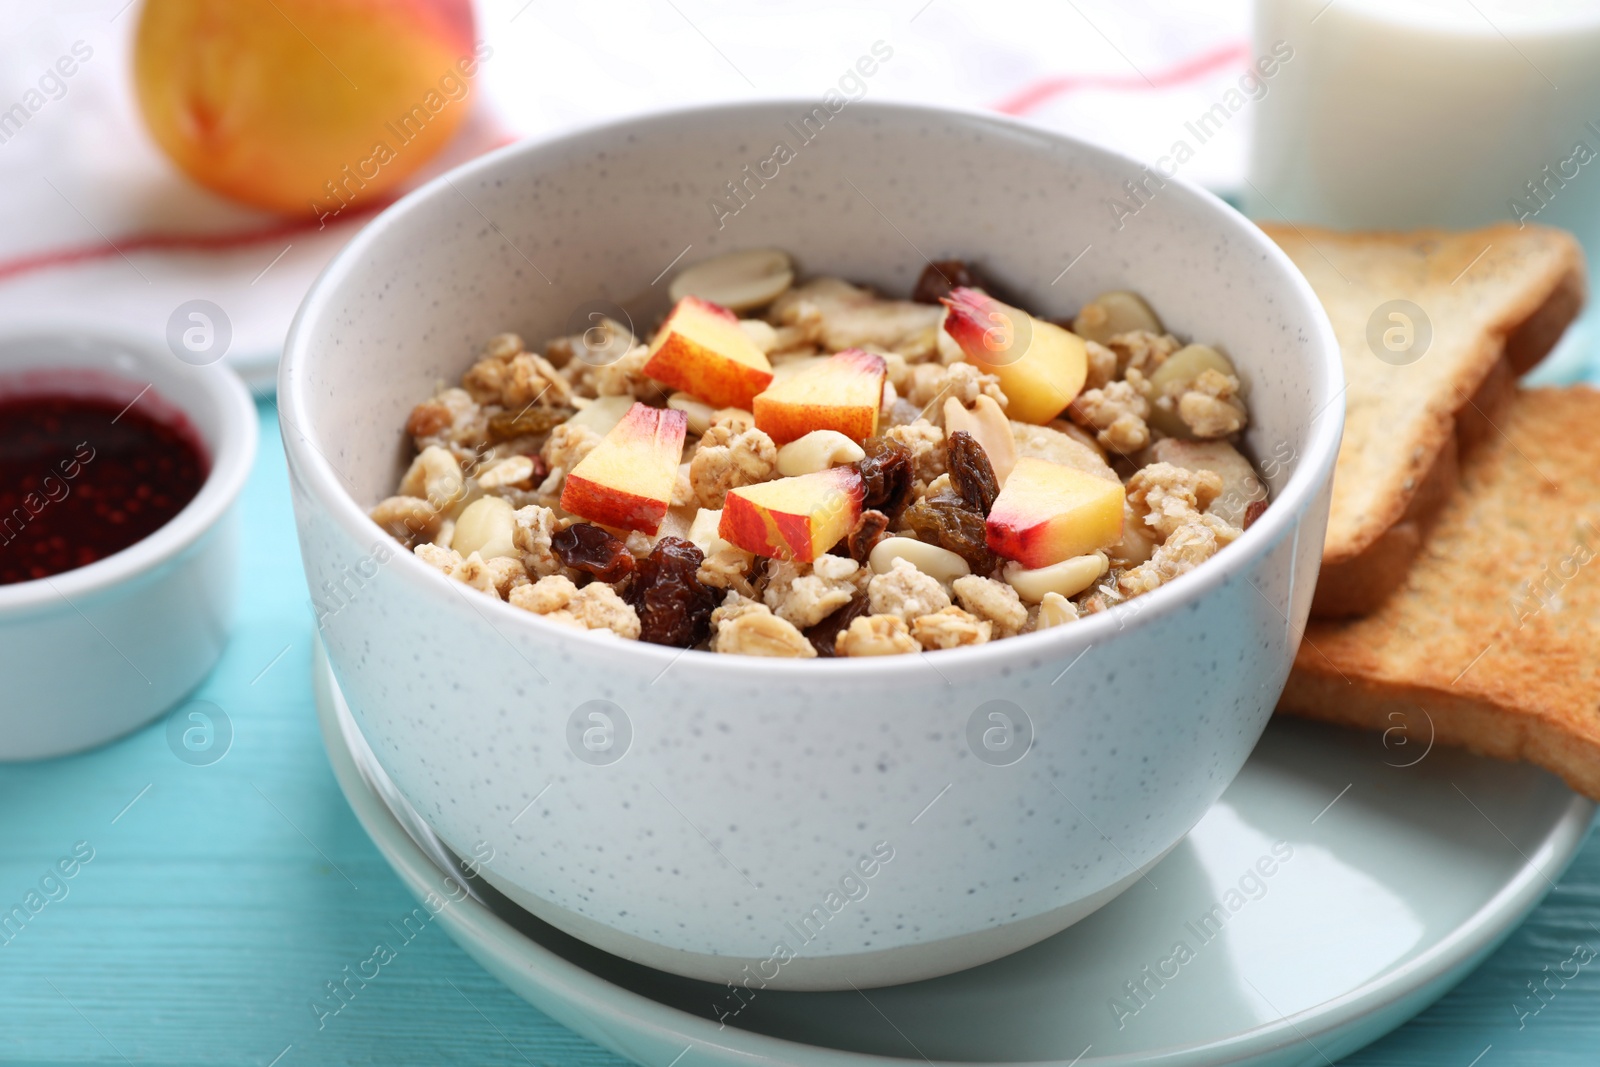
[1310, 476]
[232, 456]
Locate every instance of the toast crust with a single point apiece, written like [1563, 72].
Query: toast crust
[1492, 641]
[1499, 295]
[1421, 717]
[1357, 586]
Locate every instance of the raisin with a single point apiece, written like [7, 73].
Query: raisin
[886, 473]
[971, 474]
[586, 547]
[949, 522]
[826, 633]
[868, 531]
[504, 425]
[1253, 511]
[673, 605]
[941, 276]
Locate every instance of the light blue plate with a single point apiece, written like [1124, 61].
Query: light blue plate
[1339, 886]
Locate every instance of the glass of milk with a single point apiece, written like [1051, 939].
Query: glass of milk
[1398, 114]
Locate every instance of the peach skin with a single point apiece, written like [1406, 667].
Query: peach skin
[1041, 367]
[296, 105]
[701, 350]
[840, 393]
[797, 518]
[627, 480]
[1046, 513]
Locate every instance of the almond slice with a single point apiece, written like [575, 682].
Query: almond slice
[739, 280]
[1109, 314]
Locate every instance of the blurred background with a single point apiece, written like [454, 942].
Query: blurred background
[100, 226]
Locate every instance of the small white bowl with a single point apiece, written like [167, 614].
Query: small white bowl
[90, 654]
[756, 802]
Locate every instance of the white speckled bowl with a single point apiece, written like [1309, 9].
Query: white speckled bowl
[733, 838]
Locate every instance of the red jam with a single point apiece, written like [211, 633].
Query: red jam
[83, 478]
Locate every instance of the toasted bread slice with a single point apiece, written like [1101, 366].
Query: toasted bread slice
[1496, 300]
[1492, 641]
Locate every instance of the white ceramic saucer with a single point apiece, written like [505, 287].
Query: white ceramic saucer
[1337, 888]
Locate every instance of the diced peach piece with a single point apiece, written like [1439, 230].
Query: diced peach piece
[797, 518]
[1047, 513]
[1041, 367]
[627, 480]
[701, 350]
[842, 392]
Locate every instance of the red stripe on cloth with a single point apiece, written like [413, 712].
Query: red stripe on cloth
[1032, 96]
[1020, 103]
[48, 259]
[170, 242]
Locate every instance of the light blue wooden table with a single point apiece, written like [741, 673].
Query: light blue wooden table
[220, 898]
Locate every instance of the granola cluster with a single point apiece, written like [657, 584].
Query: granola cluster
[917, 567]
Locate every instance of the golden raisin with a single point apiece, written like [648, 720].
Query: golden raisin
[971, 474]
[504, 425]
[887, 475]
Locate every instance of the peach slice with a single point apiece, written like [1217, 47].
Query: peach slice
[701, 350]
[1047, 513]
[627, 480]
[842, 392]
[797, 518]
[1041, 367]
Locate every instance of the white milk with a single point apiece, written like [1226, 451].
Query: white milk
[1407, 113]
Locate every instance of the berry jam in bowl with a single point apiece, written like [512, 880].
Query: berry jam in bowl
[119, 470]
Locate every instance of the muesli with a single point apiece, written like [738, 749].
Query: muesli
[813, 469]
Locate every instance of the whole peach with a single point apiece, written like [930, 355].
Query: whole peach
[304, 105]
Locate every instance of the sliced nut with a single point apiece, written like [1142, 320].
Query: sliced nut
[739, 280]
[935, 562]
[1109, 314]
[1187, 364]
[1055, 610]
[602, 414]
[1174, 377]
[509, 471]
[761, 334]
[703, 530]
[1062, 442]
[1067, 578]
[988, 425]
[817, 451]
[699, 411]
[443, 483]
[484, 526]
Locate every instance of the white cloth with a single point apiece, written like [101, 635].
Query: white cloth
[98, 229]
